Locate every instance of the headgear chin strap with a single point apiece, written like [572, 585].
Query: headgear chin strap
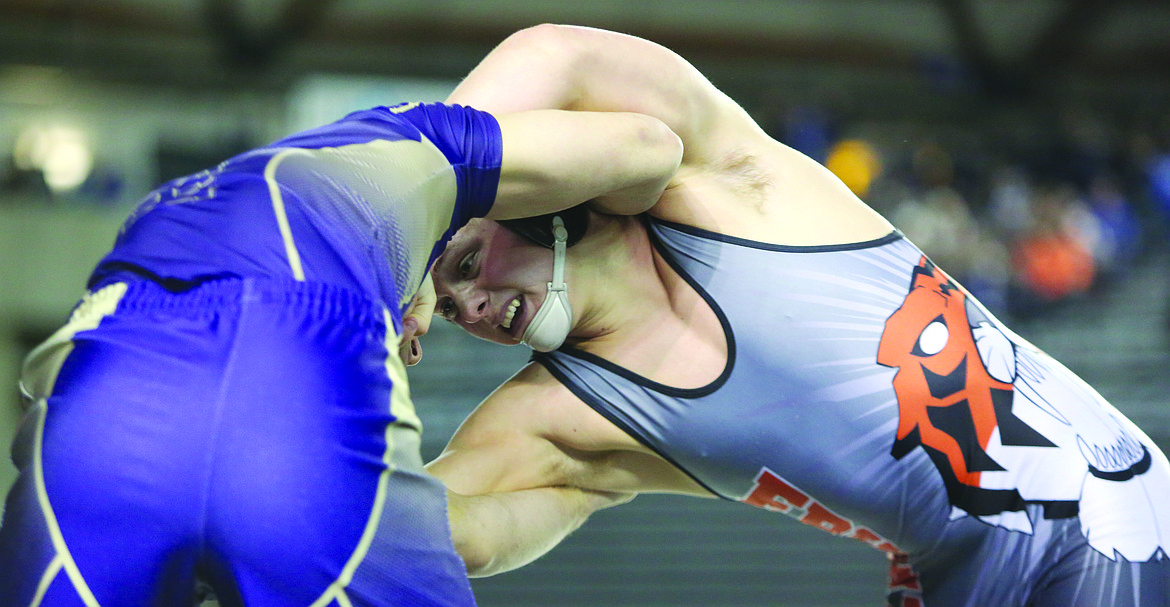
[554, 319]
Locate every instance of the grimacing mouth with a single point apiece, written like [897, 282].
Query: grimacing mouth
[510, 313]
[515, 317]
[510, 326]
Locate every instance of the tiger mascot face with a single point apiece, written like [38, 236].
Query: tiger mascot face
[962, 385]
[948, 403]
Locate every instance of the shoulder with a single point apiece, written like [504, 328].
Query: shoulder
[535, 403]
[451, 127]
[520, 403]
[533, 391]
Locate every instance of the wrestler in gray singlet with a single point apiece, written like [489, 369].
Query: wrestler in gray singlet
[869, 395]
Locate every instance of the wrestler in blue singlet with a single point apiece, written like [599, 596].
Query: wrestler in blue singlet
[867, 394]
[226, 407]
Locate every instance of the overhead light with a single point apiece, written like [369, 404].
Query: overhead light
[61, 153]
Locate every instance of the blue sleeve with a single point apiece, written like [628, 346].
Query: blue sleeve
[473, 145]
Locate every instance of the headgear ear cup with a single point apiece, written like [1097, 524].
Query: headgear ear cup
[539, 229]
[552, 322]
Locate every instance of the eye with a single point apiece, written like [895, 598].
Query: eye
[466, 265]
[933, 338]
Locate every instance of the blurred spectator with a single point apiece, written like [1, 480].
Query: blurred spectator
[809, 130]
[1158, 174]
[1118, 232]
[968, 194]
[1009, 200]
[1158, 171]
[1085, 146]
[1053, 261]
[856, 163]
[941, 223]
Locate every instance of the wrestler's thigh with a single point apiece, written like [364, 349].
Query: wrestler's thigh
[106, 506]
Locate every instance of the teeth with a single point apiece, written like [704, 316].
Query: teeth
[512, 307]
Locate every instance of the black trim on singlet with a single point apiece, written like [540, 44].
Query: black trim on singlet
[646, 382]
[785, 248]
[109, 271]
[596, 405]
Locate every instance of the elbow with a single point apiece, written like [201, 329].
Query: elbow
[667, 145]
[479, 558]
[546, 36]
[476, 558]
[471, 537]
[656, 148]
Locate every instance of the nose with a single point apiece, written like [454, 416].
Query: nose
[472, 304]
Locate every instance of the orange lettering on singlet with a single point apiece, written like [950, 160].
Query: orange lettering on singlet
[774, 493]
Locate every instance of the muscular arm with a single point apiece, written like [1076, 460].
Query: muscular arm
[541, 461]
[498, 532]
[733, 177]
[580, 68]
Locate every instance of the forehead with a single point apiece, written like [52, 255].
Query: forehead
[475, 229]
[469, 237]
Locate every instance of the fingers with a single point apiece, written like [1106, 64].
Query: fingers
[423, 309]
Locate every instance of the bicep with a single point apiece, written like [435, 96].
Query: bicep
[480, 460]
[533, 432]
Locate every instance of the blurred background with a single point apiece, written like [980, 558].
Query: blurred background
[1024, 144]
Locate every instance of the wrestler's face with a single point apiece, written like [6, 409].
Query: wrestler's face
[491, 282]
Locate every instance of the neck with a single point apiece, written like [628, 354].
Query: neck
[614, 281]
[637, 312]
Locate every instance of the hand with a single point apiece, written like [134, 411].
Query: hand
[416, 322]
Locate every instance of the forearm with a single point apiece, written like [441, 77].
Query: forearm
[556, 159]
[567, 138]
[498, 532]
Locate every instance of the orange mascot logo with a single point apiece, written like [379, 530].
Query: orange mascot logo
[947, 401]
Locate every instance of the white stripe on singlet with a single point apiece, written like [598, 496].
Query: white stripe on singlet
[290, 246]
[402, 409]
